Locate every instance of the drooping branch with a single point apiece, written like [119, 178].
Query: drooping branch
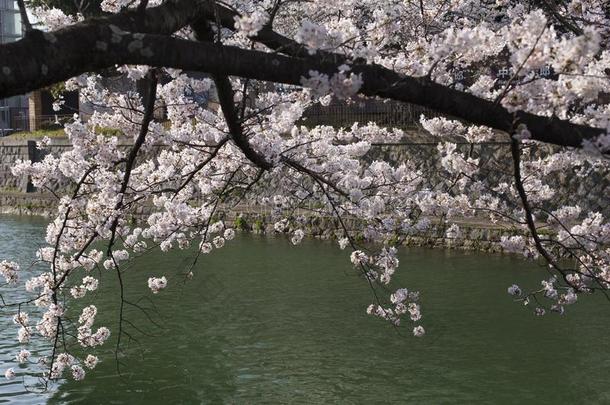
[531, 225]
[149, 108]
[527, 209]
[147, 118]
[95, 45]
[203, 32]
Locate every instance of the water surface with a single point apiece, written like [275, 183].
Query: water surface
[265, 322]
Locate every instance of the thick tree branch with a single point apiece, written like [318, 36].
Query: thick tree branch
[37, 61]
[279, 43]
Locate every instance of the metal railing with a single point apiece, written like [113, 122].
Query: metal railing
[384, 113]
[17, 119]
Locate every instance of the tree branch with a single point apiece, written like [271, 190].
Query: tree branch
[203, 32]
[529, 218]
[95, 45]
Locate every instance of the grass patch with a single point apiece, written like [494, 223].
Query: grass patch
[108, 131]
[55, 133]
[8, 189]
[59, 133]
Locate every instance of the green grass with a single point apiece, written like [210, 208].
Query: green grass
[8, 189]
[58, 133]
[240, 223]
[55, 133]
[109, 131]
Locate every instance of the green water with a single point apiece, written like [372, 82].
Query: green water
[265, 322]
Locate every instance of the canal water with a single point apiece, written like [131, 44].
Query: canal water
[263, 321]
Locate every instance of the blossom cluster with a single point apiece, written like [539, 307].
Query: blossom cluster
[191, 167]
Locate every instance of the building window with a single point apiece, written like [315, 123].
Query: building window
[10, 21]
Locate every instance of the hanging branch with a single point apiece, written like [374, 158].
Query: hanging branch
[529, 218]
[203, 32]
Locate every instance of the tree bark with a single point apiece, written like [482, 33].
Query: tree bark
[40, 59]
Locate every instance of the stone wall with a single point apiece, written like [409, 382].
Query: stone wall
[474, 236]
[17, 196]
[13, 150]
[17, 203]
[590, 192]
[10, 153]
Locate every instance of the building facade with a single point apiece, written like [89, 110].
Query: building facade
[14, 110]
[10, 21]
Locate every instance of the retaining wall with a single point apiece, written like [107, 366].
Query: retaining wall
[17, 196]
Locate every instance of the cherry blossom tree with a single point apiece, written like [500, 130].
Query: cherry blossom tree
[533, 75]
